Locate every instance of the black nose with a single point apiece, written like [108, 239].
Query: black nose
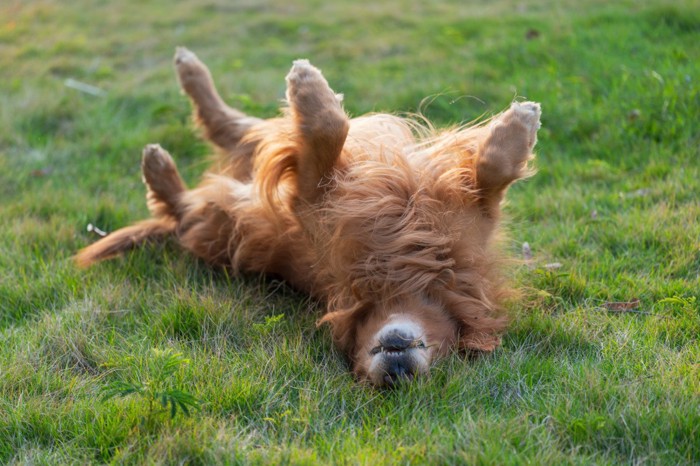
[396, 340]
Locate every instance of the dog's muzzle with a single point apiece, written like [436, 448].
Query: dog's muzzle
[398, 356]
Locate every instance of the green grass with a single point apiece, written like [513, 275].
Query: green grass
[615, 202]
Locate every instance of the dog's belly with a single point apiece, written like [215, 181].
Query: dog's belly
[369, 136]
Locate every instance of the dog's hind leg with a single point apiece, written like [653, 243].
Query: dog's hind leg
[222, 125]
[164, 184]
[504, 154]
[321, 126]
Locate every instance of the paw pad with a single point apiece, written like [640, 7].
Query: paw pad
[528, 113]
[155, 157]
[301, 71]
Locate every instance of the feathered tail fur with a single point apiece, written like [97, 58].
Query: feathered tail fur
[125, 239]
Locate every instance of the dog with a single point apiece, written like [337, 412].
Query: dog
[392, 224]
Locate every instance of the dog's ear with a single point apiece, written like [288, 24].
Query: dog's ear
[478, 341]
[479, 323]
[343, 328]
[480, 333]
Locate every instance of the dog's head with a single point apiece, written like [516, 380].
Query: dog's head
[392, 344]
[411, 274]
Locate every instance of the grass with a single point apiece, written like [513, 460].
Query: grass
[615, 203]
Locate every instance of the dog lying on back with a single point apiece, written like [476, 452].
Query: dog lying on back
[390, 224]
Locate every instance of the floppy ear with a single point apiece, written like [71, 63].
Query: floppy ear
[476, 341]
[342, 328]
[479, 323]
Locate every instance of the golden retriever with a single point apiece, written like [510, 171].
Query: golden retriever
[390, 223]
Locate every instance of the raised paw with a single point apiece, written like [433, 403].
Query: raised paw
[184, 55]
[514, 133]
[506, 150]
[304, 76]
[303, 70]
[162, 180]
[308, 92]
[156, 161]
[321, 124]
[526, 114]
[191, 72]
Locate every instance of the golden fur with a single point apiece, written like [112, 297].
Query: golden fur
[390, 223]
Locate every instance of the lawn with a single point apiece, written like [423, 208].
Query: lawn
[602, 360]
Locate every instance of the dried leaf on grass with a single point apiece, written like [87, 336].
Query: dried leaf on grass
[532, 34]
[41, 172]
[622, 306]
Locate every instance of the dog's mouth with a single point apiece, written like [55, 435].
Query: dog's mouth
[393, 350]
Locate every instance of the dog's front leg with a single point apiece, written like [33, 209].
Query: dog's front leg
[504, 154]
[321, 126]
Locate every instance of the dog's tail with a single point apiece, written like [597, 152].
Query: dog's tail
[125, 239]
[165, 187]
